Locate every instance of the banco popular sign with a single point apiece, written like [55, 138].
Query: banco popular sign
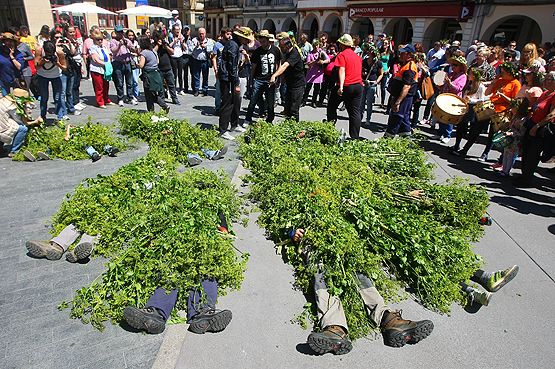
[456, 10]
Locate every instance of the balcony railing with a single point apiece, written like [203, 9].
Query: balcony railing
[268, 3]
[213, 4]
[232, 3]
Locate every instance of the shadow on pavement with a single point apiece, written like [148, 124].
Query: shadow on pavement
[305, 349]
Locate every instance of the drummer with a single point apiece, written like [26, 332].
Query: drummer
[502, 91]
[454, 84]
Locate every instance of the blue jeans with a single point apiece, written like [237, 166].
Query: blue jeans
[259, 88]
[67, 92]
[76, 86]
[43, 89]
[18, 140]
[5, 88]
[399, 122]
[200, 66]
[445, 130]
[217, 96]
[136, 73]
[368, 98]
[123, 73]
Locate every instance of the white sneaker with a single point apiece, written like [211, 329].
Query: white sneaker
[444, 140]
[120, 103]
[239, 129]
[182, 93]
[65, 117]
[227, 136]
[134, 101]
[76, 112]
[79, 107]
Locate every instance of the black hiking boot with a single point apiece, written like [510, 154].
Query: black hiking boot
[147, 319]
[210, 321]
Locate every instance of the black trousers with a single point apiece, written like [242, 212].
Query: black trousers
[187, 71]
[475, 131]
[293, 100]
[532, 147]
[154, 97]
[315, 92]
[177, 69]
[167, 76]
[231, 105]
[352, 97]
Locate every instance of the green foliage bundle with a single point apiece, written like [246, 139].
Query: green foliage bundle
[176, 137]
[159, 228]
[366, 206]
[51, 140]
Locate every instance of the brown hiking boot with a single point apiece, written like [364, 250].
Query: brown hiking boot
[332, 339]
[80, 252]
[397, 331]
[48, 249]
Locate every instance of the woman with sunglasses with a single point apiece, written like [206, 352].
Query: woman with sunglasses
[101, 69]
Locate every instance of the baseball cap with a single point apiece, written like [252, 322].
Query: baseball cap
[175, 12]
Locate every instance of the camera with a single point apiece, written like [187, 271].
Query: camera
[51, 58]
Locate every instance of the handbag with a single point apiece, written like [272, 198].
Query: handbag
[427, 88]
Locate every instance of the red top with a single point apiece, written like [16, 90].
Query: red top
[544, 105]
[353, 66]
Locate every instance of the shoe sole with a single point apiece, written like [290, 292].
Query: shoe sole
[411, 336]
[322, 344]
[216, 323]
[43, 155]
[509, 277]
[80, 252]
[40, 252]
[194, 161]
[29, 156]
[136, 319]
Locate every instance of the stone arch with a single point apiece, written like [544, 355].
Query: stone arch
[362, 27]
[289, 25]
[519, 28]
[333, 26]
[270, 26]
[310, 26]
[442, 29]
[252, 25]
[400, 29]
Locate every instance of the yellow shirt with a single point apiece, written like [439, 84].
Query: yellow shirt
[31, 41]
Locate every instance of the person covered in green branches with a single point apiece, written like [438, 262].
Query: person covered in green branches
[334, 334]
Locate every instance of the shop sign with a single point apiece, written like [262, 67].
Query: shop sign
[460, 10]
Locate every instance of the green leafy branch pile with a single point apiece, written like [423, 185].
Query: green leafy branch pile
[159, 228]
[366, 206]
[51, 140]
[176, 137]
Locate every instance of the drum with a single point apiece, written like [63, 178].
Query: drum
[439, 78]
[500, 121]
[484, 110]
[449, 109]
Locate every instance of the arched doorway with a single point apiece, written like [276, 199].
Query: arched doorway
[362, 27]
[333, 27]
[252, 25]
[442, 29]
[519, 28]
[310, 26]
[270, 26]
[400, 29]
[289, 25]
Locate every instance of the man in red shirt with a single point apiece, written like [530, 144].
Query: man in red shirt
[349, 86]
[402, 87]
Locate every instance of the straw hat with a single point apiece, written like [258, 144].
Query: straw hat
[265, 34]
[460, 60]
[346, 40]
[244, 32]
[17, 92]
[282, 35]
[9, 36]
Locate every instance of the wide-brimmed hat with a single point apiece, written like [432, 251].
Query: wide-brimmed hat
[244, 32]
[460, 60]
[17, 92]
[282, 35]
[265, 34]
[9, 36]
[346, 40]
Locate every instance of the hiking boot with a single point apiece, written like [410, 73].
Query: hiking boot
[397, 331]
[210, 321]
[332, 339]
[147, 319]
[111, 150]
[43, 155]
[479, 297]
[95, 157]
[45, 249]
[501, 278]
[80, 252]
[219, 154]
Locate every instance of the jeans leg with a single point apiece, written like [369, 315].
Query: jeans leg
[67, 236]
[136, 73]
[19, 138]
[186, 68]
[118, 78]
[57, 89]
[445, 130]
[205, 69]
[195, 71]
[217, 96]
[257, 91]
[43, 91]
[68, 94]
[76, 87]
[162, 301]
[128, 73]
[196, 303]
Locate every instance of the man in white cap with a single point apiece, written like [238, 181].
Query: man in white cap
[175, 20]
[349, 86]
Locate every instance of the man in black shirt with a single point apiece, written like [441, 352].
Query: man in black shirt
[265, 62]
[293, 70]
